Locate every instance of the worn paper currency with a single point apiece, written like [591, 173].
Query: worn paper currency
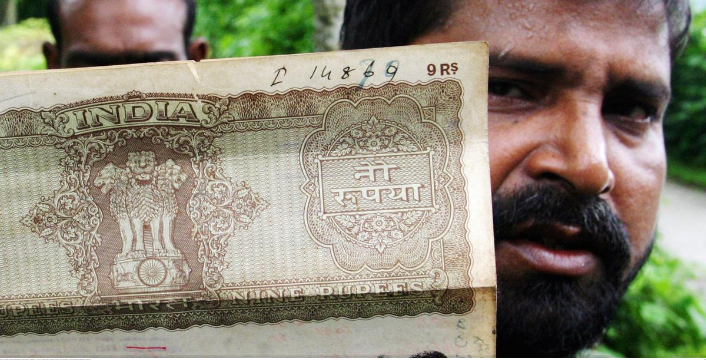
[302, 198]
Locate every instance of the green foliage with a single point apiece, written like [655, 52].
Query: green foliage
[688, 174]
[660, 316]
[21, 45]
[237, 28]
[685, 124]
[31, 8]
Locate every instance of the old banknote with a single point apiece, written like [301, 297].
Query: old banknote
[285, 199]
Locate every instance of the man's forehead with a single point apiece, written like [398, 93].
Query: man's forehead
[625, 35]
[122, 13]
[109, 25]
[537, 18]
[136, 7]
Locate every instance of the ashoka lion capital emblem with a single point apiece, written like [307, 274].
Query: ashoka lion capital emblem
[143, 197]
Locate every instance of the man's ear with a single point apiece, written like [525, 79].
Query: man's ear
[198, 49]
[51, 53]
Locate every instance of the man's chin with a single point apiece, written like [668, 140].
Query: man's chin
[550, 316]
[563, 266]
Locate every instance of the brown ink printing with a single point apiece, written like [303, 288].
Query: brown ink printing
[146, 212]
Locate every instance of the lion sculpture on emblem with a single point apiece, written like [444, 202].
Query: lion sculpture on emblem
[143, 195]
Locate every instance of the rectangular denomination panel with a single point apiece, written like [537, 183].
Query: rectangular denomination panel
[344, 190]
[358, 184]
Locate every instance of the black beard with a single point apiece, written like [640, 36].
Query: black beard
[543, 315]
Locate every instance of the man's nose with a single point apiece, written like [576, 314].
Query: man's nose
[573, 151]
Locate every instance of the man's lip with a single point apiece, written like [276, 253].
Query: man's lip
[551, 248]
[572, 263]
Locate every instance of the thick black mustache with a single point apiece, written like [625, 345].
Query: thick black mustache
[541, 205]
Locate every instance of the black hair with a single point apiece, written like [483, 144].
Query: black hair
[384, 23]
[678, 19]
[54, 16]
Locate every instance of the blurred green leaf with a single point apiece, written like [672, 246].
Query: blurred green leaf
[685, 122]
[254, 28]
[21, 45]
[660, 315]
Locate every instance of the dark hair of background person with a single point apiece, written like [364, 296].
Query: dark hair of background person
[53, 14]
[375, 23]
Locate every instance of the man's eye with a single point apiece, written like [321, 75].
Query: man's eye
[627, 111]
[505, 89]
[509, 96]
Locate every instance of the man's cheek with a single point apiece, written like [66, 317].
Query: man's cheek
[640, 174]
[507, 149]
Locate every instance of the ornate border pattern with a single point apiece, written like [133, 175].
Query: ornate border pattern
[383, 128]
[219, 205]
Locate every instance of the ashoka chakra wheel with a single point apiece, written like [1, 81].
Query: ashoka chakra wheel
[152, 272]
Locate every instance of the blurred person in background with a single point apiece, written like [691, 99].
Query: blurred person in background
[118, 32]
[577, 96]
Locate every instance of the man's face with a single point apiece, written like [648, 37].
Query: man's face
[577, 92]
[116, 32]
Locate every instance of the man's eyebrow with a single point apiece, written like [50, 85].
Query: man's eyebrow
[643, 88]
[652, 89]
[525, 65]
[105, 59]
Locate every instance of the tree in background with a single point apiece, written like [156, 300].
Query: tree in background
[8, 12]
[327, 23]
[685, 124]
[13, 10]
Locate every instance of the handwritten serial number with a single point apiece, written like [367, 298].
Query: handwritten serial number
[364, 71]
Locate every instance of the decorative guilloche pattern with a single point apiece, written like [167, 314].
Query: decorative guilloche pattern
[164, 212]
[378, 196]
